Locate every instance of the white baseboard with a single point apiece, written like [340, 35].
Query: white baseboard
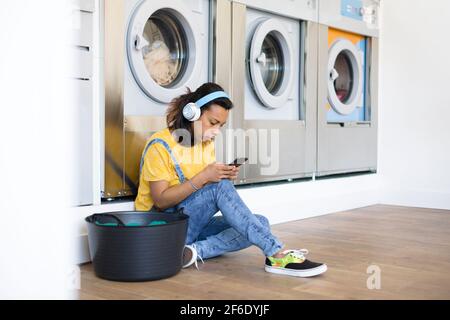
[296, 201]
[415, 198]
[82, 254]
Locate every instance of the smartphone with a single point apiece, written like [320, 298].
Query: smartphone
[238, 162]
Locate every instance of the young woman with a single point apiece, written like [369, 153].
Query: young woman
[178, 171]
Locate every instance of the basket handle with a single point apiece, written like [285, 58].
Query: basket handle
[107, 215]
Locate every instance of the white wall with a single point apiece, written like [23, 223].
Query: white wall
[414, 116]
[35, 154]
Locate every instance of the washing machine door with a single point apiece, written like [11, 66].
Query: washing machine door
[271, 62]
[345, 77]
[163, 48]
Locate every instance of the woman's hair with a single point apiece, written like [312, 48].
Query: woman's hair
[175, 118]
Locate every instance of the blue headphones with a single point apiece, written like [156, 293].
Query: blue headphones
[192, 112]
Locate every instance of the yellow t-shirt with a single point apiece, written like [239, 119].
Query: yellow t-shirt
[158, 165]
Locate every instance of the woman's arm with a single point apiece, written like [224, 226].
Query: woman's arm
[165, 197]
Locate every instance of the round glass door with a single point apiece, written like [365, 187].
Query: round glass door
[270, 63]
[345, 82]
[165, 52]
[273, 70]
[162, 48]
[343, 85]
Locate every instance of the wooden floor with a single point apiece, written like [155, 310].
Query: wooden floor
[411, 246]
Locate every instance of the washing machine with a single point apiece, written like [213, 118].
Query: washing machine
[274, 82]
[153, 51]
[348, 90]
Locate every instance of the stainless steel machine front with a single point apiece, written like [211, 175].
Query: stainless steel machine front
[274, 86]
[348, 86]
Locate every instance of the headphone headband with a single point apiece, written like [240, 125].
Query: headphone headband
[210, 97]
[192, 112]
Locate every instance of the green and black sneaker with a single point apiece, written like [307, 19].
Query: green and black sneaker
[295, 264]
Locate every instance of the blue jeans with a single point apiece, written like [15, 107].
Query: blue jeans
[237, 228]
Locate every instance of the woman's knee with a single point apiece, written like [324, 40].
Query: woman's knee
[263, 220]
[225, 183]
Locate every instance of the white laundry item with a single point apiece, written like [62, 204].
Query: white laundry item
[159, 63]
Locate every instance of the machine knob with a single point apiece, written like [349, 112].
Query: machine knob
[262, 59]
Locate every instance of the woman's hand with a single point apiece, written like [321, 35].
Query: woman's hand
[235, 173]
[215, 172]
[165, 197]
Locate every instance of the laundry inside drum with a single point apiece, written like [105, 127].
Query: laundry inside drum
[166, 55]
[343, 84]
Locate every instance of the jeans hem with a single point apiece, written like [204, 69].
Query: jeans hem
[274, 250]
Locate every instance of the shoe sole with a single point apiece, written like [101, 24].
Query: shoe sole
[298, 273]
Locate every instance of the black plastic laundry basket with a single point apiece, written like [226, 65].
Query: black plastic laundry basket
[137, 246]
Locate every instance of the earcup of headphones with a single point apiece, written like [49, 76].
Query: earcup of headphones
[191, 112]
